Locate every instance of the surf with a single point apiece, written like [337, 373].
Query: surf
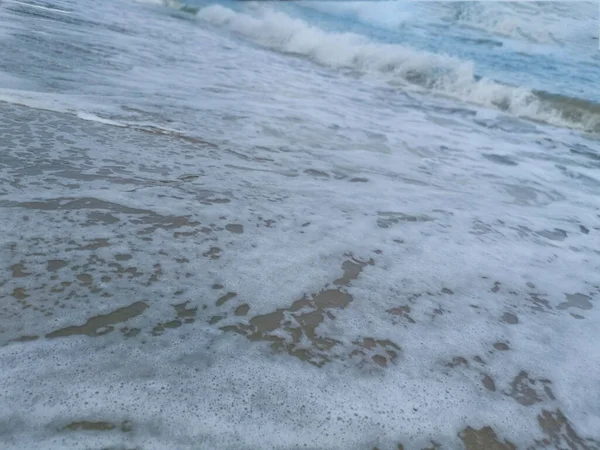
[399, 65]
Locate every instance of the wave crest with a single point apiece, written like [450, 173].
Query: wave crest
[400, 65]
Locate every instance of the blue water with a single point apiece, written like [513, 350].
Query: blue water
[541, 58]
[534, 58]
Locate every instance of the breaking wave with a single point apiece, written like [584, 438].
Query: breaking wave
[400, 65]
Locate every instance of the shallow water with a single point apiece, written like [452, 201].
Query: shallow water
[227, 226]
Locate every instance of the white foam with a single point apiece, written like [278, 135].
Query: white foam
[95, 118]
[396, 63]
[197, 385]
[458, 207]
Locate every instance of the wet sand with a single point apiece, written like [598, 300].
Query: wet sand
[90, 260]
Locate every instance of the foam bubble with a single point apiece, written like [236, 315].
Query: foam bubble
[276, 255]
[374, 307]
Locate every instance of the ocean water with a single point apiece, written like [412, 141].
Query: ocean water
[319, 225]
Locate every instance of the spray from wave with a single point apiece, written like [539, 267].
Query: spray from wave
[400, 65]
